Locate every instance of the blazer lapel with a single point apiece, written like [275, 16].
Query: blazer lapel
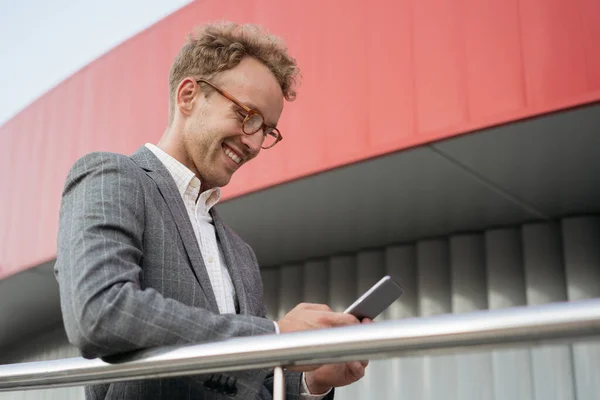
[166, 185]
[234, 265]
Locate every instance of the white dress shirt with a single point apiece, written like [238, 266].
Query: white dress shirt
[198, 206]
[188, 185]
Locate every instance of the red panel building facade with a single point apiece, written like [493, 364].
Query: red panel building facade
[377, 78]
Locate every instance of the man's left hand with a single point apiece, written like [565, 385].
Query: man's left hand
[322, 379]
[327, 376]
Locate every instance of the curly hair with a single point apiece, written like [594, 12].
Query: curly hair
[220, 46]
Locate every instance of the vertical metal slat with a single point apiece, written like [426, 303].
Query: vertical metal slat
[545, 280]
[439, 372]
[581, 238]
[342, 293]
[290, 289]
[370, 268]
[474, 375]
[342, 282]
[405, 378]
[271, 281]
[316, 282]
[506, 286]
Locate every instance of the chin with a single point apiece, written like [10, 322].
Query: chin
[224, 181]
[219, 181]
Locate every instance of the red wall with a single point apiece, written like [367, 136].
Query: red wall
[379, 76]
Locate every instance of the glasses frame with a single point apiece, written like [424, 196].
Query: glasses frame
[249, 113]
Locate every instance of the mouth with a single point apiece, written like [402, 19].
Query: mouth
[232, 154]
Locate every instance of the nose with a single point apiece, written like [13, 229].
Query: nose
[253, 142]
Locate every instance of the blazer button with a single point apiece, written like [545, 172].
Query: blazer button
[222, 384]
[231, 391]
[211, 383]
[231, 387]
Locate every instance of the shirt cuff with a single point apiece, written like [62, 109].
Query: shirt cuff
[276, 328]
[305, 394]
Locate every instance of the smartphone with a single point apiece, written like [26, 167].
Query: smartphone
[376, 299]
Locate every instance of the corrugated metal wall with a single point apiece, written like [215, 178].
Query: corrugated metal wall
[532, 264]
[51, 345]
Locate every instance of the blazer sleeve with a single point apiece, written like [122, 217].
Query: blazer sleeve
[98, 267]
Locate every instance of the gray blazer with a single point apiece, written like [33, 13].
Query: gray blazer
[131, 276]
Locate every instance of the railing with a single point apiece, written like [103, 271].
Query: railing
[559, 321]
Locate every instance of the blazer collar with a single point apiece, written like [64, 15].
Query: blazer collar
[168, 189]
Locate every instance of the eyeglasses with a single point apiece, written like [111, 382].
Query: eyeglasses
[253, 122]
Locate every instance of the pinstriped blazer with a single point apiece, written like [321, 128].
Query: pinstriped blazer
[131, 276]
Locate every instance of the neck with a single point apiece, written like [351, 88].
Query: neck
[176, 149]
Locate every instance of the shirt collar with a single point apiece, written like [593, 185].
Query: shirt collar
[185, 179]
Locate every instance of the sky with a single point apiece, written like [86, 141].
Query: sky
[42, 42]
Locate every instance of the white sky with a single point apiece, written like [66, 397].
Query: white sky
[42, 42]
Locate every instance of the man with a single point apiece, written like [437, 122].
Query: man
[144, 259]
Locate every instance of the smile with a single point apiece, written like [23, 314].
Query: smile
[231, 154]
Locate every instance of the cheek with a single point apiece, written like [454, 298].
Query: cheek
[198, 131]
[228, 128]
[207, 133]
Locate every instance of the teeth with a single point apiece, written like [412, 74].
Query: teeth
[233, 156]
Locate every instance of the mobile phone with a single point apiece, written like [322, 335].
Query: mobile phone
[376, 299]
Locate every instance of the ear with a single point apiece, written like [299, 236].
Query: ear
[185, 95]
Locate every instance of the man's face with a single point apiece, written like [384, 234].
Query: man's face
[214, 142]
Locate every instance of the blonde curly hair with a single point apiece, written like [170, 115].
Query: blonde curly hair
[220, 46]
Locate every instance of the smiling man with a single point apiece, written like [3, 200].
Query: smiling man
[144, 259]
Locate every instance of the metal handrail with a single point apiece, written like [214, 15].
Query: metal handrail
[559, 321]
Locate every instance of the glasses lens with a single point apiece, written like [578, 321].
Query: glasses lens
[252, 123]
[271, 138]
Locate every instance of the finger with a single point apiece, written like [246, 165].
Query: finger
[339, 319]
[314, 306]
[367, 321]
[356, 369]
[365, 363]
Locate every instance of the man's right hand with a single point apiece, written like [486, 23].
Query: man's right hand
[307, 316]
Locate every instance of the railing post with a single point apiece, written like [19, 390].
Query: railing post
[278, 384]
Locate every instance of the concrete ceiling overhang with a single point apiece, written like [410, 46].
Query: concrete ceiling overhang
[535, 169]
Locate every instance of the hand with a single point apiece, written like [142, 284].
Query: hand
[322, 379]
[307, 316]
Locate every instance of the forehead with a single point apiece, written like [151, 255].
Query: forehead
[253, 84]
